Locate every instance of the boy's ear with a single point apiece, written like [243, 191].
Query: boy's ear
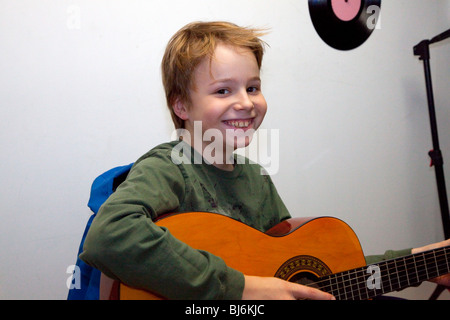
[180, 109]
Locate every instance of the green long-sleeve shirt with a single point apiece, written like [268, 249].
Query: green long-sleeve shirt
[125, 244]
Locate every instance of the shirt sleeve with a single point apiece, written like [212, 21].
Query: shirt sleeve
[125, 244]
[389, 254]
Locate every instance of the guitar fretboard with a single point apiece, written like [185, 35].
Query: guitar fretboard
[387, 276]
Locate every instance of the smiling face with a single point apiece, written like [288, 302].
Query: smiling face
[226, 96]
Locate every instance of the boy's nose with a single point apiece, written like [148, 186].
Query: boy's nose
[244, 102]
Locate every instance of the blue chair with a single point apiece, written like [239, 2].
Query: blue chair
[102, 187]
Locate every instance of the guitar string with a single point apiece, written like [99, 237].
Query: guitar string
[354, 283]
[383, 263]
[367, 294]
[355, 286]
[356, 289]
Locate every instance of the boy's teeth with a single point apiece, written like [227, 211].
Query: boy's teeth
[239, 124]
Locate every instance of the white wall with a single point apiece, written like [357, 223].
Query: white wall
[80, 93]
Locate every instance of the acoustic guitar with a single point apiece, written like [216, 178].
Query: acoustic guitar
[321, 252]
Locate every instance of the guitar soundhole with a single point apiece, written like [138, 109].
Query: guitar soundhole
[303, 269]
[305, 278]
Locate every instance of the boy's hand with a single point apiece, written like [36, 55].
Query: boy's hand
[268, 288]
[442, 280]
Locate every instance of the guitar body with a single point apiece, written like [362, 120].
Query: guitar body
[299, 249]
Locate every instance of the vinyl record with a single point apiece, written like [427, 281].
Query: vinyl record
[344, 24]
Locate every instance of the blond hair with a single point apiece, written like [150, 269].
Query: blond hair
[190, 45]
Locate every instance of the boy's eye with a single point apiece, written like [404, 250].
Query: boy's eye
[223, 91]
[252, 89]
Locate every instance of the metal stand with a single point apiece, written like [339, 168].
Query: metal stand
[423, 51]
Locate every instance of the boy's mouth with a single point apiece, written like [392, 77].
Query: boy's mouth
[239, 123]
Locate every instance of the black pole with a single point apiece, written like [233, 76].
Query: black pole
[437, 160]
[423, 51]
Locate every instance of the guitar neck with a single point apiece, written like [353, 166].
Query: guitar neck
[387, 276]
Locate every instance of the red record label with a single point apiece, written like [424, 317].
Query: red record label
[346, 10]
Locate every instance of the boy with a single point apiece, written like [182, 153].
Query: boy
[211, 78]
